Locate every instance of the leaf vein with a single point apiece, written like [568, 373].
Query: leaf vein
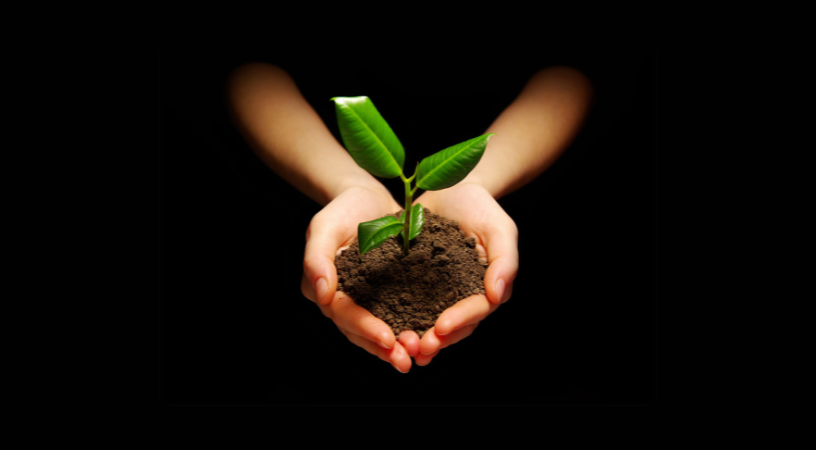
[445, 162]
[375, 137]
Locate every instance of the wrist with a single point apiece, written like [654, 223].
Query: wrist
[475, 178]
[484, 183]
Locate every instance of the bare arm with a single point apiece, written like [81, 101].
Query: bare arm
[288, 135]
[531, 134]
[534, 130]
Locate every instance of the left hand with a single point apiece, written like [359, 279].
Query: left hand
[496, 234]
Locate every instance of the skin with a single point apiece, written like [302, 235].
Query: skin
[531, 134]
[287, 134]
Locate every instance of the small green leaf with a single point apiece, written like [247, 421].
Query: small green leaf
[372, 234]
[417, 220]
[368, 137]
[447, 167]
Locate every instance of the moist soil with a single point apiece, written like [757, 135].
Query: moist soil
[410, 292]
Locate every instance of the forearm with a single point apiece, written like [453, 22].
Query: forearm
[288, 135]
[534, 130]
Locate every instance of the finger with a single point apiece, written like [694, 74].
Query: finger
[355, 319]
[396, 356]
[322, 242]
[501, 244]
[465, 312]
[431, 342]
[306, 288]
[410, 341]
[424, 360]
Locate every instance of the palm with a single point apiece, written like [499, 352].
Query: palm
[469, 204]
[350, 208]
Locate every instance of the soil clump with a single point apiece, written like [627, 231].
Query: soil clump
[410, 292]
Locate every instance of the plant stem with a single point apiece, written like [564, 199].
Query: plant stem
[406, 227]
[409, 197]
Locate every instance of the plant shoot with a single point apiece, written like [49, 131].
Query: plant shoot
[374, 147]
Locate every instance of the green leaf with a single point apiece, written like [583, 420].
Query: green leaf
[372, 234]
[417, 220]
[368, 138]
[447, 167]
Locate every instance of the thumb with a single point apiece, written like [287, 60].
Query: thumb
[319, 272]
[501, 245]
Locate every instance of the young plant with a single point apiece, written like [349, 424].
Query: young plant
[375, 148]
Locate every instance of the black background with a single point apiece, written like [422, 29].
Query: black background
[581, 327]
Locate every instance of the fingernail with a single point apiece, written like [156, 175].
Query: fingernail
[500, 289]
[436, 331]
[320, 288]
[398, 369]
[383, 345]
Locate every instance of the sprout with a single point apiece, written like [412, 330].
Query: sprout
[375, 148]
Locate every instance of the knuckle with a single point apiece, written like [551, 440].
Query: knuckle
[310, 264]
[505, 229]
[510, 228]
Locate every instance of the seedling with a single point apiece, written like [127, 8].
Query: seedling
[375, 148]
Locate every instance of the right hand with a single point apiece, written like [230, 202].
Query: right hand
[330, 231]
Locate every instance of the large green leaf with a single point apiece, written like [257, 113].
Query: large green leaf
[417, 220]
[372, 234]
[368, 138]
[447, 167]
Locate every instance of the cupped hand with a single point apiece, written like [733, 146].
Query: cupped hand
[330, 231]
[496, 234]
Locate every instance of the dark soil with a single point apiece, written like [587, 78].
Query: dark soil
[409, 292]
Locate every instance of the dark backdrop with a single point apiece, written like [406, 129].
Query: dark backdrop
[581, 326]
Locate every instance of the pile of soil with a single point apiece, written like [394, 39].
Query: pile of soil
[409, 292]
